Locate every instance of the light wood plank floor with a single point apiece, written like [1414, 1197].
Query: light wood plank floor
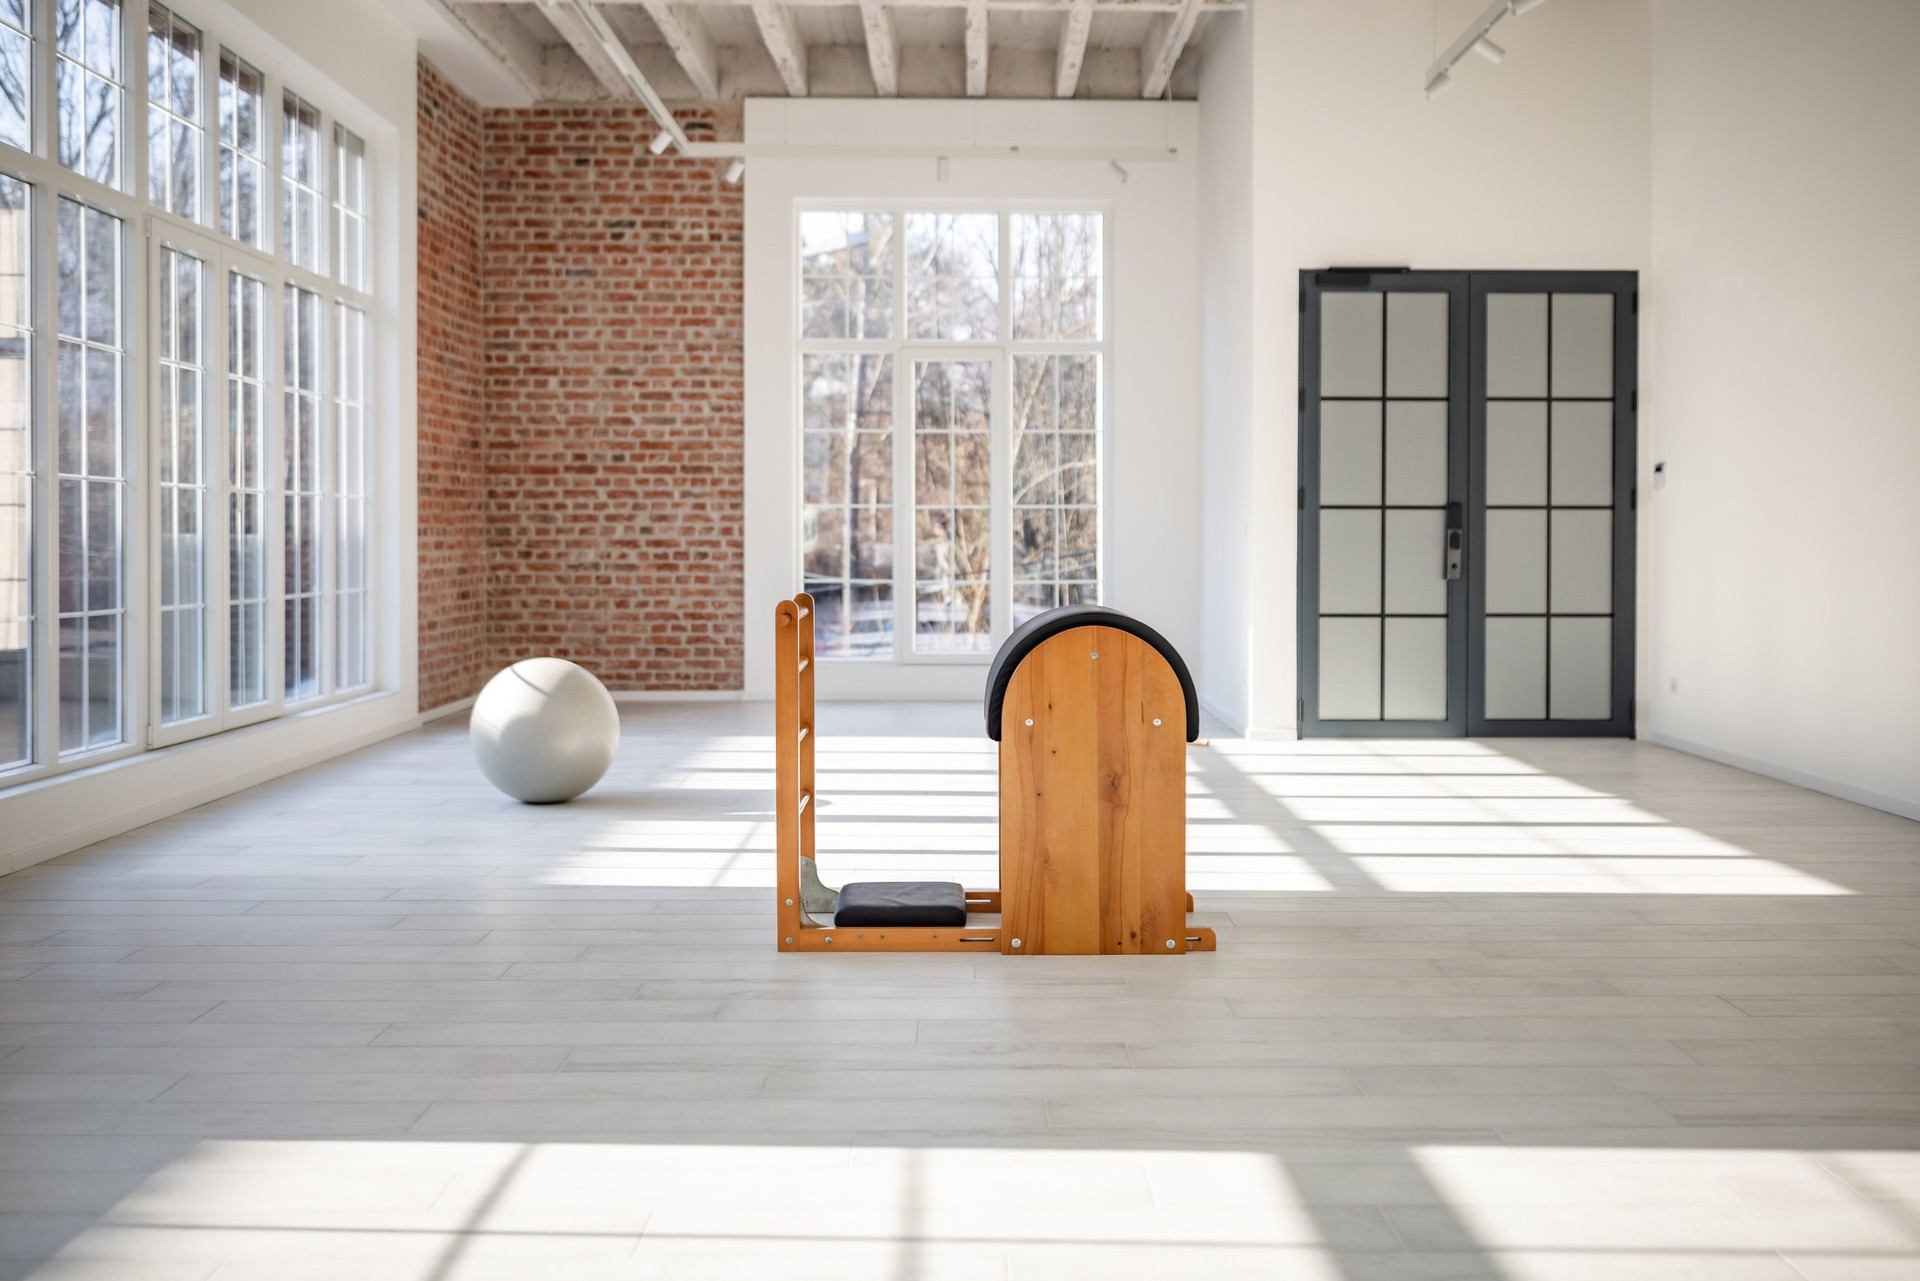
[1516, 1010]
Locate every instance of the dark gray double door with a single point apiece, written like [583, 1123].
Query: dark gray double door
[1466, 503]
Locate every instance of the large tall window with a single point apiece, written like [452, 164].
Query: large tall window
[18, 441]
[93, 475]
[188, 409]
[950, 402]
[174, 135]
[86, 72]
[243, 150]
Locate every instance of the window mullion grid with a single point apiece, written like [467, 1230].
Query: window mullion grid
[46, 447]
[905, 522]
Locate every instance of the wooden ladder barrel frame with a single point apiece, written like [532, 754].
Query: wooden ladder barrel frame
[795, 805]
[1081, 757]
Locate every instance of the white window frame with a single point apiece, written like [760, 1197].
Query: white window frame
[903, 351]
[146, 227]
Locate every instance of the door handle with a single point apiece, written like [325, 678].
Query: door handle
[1456, 538]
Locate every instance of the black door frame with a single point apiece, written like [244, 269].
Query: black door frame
[1313, 285]
[1625, 288]
[1466, 456]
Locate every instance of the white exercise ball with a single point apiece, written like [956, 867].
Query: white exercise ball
[544, 730]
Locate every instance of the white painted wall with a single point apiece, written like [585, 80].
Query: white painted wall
[1785, 592]
[1541, 162]
[354, 58]
[1153, 444]
[1228, 363]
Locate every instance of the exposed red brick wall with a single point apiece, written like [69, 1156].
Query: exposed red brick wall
[614, 394]
[452, 458]
[581, 393]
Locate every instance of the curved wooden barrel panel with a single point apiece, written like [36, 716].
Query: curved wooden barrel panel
[1093, 799]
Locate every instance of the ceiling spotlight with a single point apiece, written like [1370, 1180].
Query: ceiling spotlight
[661, 141]
[736, 170]
[1439, 85]
[1489, 50]
[1518, 7]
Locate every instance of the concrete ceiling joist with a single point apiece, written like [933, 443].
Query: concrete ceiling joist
[578, 32]
[511, 44]
[976, 48]
[686, 34]
[784, 45]
[1162, 51]
[883, 47]
[998, 6]
[1073, 48]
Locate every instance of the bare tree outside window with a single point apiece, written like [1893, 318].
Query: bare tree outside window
[17, 474]
[16, 81]
[1002, 359]
[87, 87]
[242, 151]
[92, 604]
[173, 113]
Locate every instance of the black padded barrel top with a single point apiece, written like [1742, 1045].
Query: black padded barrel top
[1050, 624]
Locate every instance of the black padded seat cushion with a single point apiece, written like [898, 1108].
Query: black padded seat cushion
[1029, 635]
[902, 903]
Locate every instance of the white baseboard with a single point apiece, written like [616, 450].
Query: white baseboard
[72, 811]
[1905, 807]
[677, 696]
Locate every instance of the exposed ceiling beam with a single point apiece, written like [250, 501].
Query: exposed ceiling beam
[783, 42]
[1073, 48]
[510, 42]
[883, 49]
[1162, 50]
[577, 29]
[976, 48]
[692, 44]
[583, 27]
[1030, 6]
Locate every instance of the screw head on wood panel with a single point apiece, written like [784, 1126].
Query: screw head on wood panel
[830, 939]
[1169, 944]
[1156, 725]
[1096, 653]
[1016, 942]
[789, 938]
[1029, 722]
[790, 901]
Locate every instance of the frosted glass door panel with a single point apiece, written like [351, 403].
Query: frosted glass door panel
[1413, 674]
[1415, 569]
[1350, 669]
[1350, 356]
[1350, 562]
[1581, 668]
[1583, 345]
[1582, 578]
[1582, 453]
[1517, 453]
[1383, 477]
[1416, 345]
[1350, 453]
[1516, 345]
[1416, 453]
[1516, 561]
[1516, 669]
